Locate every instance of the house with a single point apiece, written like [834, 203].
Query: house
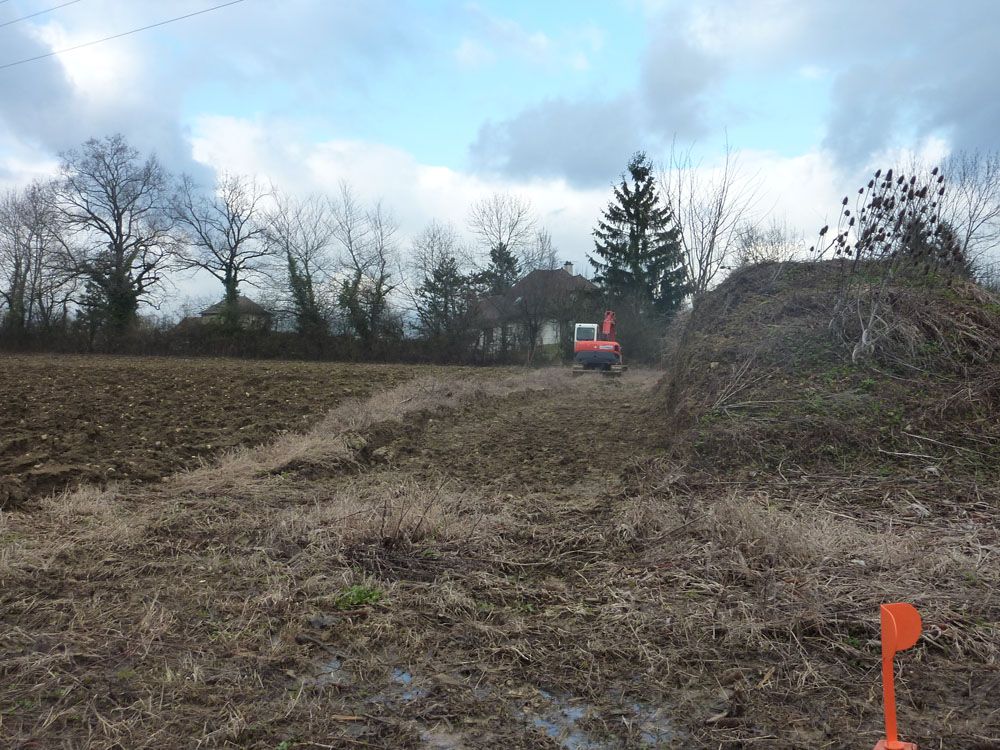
[249, 315]
[536, 313]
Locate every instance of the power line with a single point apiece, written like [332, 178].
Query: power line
[39, 13]
[118, 36]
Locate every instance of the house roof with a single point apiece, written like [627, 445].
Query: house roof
[244, 306]
[539, 285]
[494, 309]
[545, 283]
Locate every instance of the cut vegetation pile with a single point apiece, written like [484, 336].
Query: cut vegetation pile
[537, 561]
[800, 491]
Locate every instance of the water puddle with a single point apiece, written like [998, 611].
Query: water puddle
[652, 724]
[440, 740]
[560, 716]
[403, 687]
[332, 672]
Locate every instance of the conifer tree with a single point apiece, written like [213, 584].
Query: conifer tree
[502, 272]
[637, 244]
[442, 300]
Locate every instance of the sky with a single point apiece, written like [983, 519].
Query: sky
[432, 105]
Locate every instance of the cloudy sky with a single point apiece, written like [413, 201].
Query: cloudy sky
[433, 104]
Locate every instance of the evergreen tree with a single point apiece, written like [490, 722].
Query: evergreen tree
[442, 301]
[637, 244]
[502, 272]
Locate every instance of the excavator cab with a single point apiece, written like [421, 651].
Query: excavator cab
[585, 332]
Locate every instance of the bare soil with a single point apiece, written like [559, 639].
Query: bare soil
[71, 420]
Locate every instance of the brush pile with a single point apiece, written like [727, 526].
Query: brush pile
[802, 489]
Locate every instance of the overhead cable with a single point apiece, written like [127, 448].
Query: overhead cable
[119, 36]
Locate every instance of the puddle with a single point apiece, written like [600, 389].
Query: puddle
[559, 716]
[332, 672]
[400, 677]
[440, 740]
[652, 723]
[403, 679]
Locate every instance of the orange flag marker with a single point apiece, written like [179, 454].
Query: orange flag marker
[900, 630]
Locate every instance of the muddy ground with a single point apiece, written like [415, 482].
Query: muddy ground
[427, 583]
[514, 562]
[70, 420]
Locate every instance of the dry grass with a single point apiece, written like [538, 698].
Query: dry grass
[804, 491]
[546, 562]
[193, 610]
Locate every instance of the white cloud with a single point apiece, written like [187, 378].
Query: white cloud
[493, 38]
[473, 54]
[416, 193]
[100, 72]
[813, 72]
[20, 164]
[804, 190]
[579, 62]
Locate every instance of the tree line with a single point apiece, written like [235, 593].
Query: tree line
[84, 253]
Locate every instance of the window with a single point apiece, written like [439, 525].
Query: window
[586, 332]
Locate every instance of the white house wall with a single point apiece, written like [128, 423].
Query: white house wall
[549, 333]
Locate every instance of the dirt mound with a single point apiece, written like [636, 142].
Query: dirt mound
[800, 489]
[761, 372]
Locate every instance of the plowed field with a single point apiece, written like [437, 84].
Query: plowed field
[67, 420]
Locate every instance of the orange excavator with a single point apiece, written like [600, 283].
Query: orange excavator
[595, 348]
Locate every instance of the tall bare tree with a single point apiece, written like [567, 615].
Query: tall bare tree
[115, 206]
[366, 239]
[503, 225]
[539, 253]
[766, 243]
[440, 288]
[435, 243]
[301, 232]
[224, 234]
[35, 287]
[711, 206]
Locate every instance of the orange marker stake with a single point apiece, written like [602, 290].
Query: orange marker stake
[900, 630]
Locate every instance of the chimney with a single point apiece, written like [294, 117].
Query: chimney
[568, 267]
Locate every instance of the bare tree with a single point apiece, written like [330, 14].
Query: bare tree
[225, 234]
[771, 243]
[711, 206]
[971, 205]
[435, 243]
[35, 287]
[538, 252]
[503, 226]
[115, 207]
[301, 233]
[368, 255]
